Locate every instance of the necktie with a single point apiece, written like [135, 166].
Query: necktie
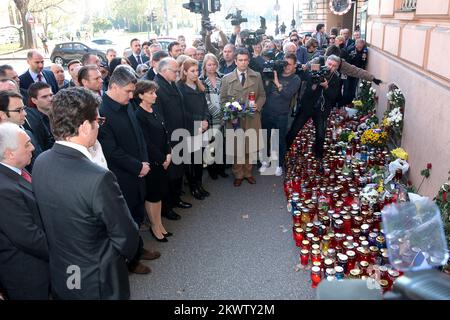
[39, 76]
[139, 59]
[26, 176]
[242, 78]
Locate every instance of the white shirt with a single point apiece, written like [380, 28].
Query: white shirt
[78, 147]
[240, 75]
[35, 76]
[136, 57]
[16, 170]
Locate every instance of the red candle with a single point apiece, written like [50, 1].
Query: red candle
[298, 236]
[316, 276]
[304, 257]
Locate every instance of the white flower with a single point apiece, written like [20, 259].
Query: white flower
[228, 104]
[236, 104]
[239, 107]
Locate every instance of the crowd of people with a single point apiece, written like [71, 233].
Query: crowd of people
[86, 162]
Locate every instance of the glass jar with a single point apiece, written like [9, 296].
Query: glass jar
[298, 236]
[330, 274]
[325, 243]
[316, 256]
[338, 226]
[306, 245]
[339, 273]
[316, 276]
[343, 262]
[355, 274]
[351, 264]
[347, 224]
[364, 267]
[304, 257]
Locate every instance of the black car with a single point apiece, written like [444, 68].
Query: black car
[65, 52]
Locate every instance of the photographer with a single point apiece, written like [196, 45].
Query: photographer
[277, 108]
[322, 89]
[220, 46]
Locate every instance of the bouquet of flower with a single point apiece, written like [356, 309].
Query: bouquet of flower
[367, 98]
[233, 111]
[370, 194]
[374, 137]
[400, 153]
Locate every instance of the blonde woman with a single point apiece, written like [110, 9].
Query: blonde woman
[212, 81]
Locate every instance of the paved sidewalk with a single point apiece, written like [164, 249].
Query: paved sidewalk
[236, 244]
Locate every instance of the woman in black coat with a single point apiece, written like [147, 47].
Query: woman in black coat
[159, 155]
[197, 112]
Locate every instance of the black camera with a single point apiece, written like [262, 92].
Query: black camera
[236, 19]
[208, 26]
[271, 66]
[319, 76]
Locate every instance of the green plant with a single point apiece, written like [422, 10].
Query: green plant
[443, 202]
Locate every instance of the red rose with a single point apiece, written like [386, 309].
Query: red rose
[429, 166]
[444, 197]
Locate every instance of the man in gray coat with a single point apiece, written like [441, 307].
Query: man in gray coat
[91, 233]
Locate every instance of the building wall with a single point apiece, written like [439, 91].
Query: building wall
[411, 50]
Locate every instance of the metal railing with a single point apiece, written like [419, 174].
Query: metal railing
[408, 5]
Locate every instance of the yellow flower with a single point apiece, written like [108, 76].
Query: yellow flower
[380, 186]
[385, 122]
[400, 153]
[357, 103]
[351, 136]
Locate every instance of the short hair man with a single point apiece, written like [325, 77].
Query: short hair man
[171, 107]
[90, 59]
[136, 58]
[12, 108]
[227, 63]
[24, 270]
[41, 96]
[125, 150]
[58, 72]
[174, 49]
[236, 86]
[7, 71]
[91, 78]
[190, 52]
[156, 58]
[91, 227]
[110, 54]
[73, 67]
[36, 72]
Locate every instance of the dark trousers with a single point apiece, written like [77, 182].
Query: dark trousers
[279, 123]
[173, 196]
[133, 262]
[350, 85]
[194, 171]
[319, 118]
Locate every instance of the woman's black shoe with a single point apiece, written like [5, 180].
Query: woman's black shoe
[197, 194]
[203, 191]
[168, 234]
[156, 238]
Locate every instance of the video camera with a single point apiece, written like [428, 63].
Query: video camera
[208, 26]
[319, 73]
[252, 37]
[236, 19]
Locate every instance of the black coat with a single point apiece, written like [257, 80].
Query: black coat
[134, 62]
[195, 105]
[26, 80]
[150, 74]
[124, 148]
[155, 134]
[170, 105]
[24, 270]
[87, 222]
[35, 123]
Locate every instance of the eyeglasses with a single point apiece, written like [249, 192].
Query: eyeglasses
[18, 110]
[294, 40]
[100, 120]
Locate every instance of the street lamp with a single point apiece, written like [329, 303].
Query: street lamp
[276, 9]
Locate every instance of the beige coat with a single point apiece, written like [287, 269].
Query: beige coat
[232, 90]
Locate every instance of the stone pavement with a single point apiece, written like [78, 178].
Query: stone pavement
[236, 244]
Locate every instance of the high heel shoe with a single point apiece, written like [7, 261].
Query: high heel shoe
[156, 238]
[168, 234]
[203, 191]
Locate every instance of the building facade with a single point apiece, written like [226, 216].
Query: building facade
[409, 47]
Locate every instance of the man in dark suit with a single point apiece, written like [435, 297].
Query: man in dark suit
[156, 58]
[90, 230]
[125, 150]
[170, 106]
[24, 270]
[36, 72]
[8, 72]
[37, 120]
[136, 58]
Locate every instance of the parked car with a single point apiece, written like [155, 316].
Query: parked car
[65, 52]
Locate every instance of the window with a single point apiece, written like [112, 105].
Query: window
[79, 47]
